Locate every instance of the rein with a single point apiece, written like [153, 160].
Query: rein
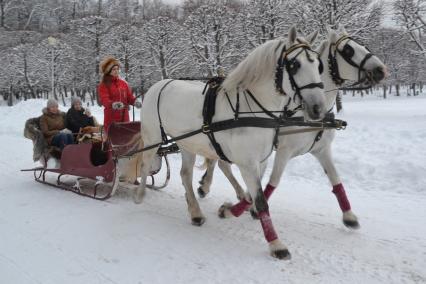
[260, 122]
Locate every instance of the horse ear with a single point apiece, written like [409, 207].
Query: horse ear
[328, 29]
[332, 35]
[312, 37]
[292, 34]
[322, 47]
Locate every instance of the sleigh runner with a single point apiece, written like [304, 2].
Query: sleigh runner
[92, 169]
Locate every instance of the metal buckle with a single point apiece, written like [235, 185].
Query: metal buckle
[206, 128]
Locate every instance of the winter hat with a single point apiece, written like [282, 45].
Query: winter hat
[107, 63]
[75, 100]
[51, 103]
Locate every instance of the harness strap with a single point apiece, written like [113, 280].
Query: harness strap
[163, 133]
[209, 107]
[259, 122]
[317, 138]
[267, 112]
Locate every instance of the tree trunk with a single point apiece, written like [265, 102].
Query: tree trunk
[27, 80]
[384, 91]
[339, 105]
[163, 64]
[397, 90]
[10, 97]
[94, 95]
[2, 13]
[413, 86]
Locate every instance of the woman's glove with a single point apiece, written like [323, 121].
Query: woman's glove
[137, 104]
[117, 105]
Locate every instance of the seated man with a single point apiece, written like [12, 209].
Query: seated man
[53, 126]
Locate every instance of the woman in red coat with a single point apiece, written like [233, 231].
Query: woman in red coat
[114, 93]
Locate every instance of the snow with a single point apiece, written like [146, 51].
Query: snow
[52, 236]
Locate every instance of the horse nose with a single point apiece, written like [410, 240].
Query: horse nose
[378, 74]
[316, 111]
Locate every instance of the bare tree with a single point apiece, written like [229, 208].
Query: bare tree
[264, 20]
[411, 14]
[209, 28]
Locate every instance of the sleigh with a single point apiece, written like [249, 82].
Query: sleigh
[91, 169]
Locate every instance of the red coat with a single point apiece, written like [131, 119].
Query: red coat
[118, 91]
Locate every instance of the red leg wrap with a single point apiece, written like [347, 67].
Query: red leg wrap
[339, 191]
[268, 191]
[240, 207]
[268, 228]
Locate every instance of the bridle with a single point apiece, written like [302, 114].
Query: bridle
[292, 66]
[347, 53]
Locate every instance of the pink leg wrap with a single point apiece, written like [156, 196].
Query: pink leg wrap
[268, 191]
[240, 207]
[268, 228]
[339, 191]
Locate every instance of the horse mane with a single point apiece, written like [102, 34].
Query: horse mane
[258, 65]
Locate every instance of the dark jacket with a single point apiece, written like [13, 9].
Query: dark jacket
[76, 119]
[51, 124]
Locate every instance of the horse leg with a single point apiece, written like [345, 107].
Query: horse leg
[206, 179]
[186, 173]
[281, 159]
[251, 177]
[227, 171]
[253, 212]
[145, 168]
[325, 158]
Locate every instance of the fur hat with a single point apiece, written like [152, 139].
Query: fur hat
[107, 63]
[51, 103]
[75, 100]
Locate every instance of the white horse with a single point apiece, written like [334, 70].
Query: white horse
[347, 60]
[178, 105]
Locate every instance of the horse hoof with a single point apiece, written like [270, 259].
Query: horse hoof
[254, 214]
[352, 224]
[223, 211]
[350, 220]
[282, 254]
[198, 221]
[201, 192]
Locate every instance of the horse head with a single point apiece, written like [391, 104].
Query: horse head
[298, 74]
[350, 60]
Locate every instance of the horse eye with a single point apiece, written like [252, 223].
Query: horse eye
[348, 50]
[293, 66]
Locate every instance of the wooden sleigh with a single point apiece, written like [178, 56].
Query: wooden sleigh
[91, 169]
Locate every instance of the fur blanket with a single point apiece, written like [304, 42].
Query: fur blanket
[32, 131]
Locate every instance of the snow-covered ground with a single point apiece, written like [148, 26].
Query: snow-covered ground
[52, 236]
